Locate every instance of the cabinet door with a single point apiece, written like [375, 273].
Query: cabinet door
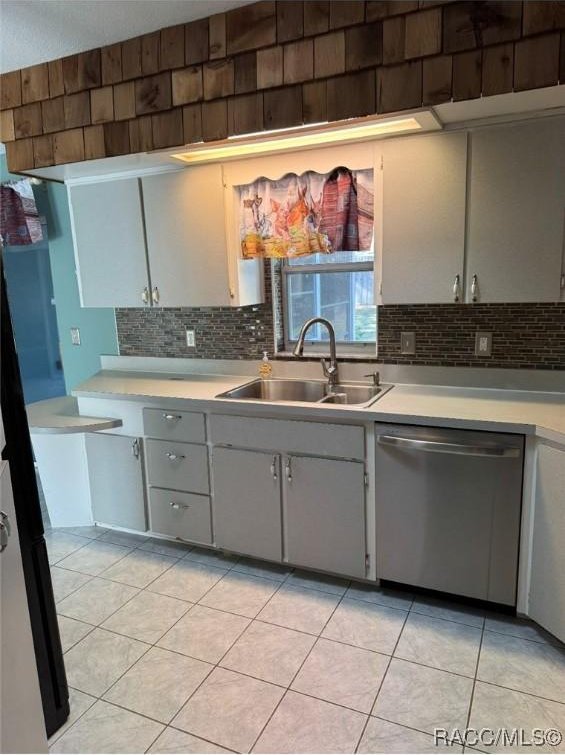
[423, 235]
[324, 505]
[186, 241]
[116, 480]
[22, 725]
[547, 581]
[517, 212]
[109, 243]
[246, 502]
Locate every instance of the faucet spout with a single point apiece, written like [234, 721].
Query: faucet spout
[330, 372]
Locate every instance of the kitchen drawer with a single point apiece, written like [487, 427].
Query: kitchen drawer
[168, 424]
[313, 438]
[183, 515]
[178, 466]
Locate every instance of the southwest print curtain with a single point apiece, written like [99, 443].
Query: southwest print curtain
[20, 224]
[308, 214]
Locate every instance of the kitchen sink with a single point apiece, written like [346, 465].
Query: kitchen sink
[312, 391]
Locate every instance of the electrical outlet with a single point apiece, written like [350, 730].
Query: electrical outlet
[75, 336]
[190, 338]
[408, 343]
[483, 344]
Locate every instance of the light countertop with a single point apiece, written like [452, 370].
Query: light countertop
[529, 412]
[61, 415]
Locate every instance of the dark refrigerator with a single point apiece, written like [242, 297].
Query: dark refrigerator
[18, 451]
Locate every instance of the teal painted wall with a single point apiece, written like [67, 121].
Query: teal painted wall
[97, 326]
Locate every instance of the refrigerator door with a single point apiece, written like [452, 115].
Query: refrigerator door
[22, 726]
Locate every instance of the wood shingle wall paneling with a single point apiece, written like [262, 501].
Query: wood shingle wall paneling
[251, 27]
[7, 132]
[276, 65]
[111, 63]
[437, 77]
[316, 17]
[124, 100]
[245, 72]
[10, 90]
[217, 36]
[28, 120]
[35, 83]
[290, 20]
[94, 147]
[56, 81]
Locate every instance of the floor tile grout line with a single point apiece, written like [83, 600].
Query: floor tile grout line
[77, 720]
[474, 682]
[216, 665]
[405, 726]
[341, 598]
[356, 748]
[216, 744]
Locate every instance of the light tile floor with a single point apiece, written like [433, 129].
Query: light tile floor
[173, 649]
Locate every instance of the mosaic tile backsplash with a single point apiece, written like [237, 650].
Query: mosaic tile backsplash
[530, 336]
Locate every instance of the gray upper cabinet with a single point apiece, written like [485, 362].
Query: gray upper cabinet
[247, 502]
[115, 470]
[324, 514]
[186, 237]
[107, 226]
[423, 224]
[516, 215]
[547, 580]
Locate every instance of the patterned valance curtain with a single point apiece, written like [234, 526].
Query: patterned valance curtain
[311, 213]
[20, 224]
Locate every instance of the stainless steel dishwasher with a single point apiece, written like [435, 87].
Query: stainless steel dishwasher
[448, 509]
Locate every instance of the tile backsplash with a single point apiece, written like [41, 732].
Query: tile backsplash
[530, 336]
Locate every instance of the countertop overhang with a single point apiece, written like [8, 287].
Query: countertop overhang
[56, 416]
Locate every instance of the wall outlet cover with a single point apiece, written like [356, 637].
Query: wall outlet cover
[483, 344]
[408, 342]
[190, 338]
[75, 336]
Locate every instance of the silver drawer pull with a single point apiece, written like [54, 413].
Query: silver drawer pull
[442, 447]
[177, 506]
[274, 468]
[171, 417]
[173, 457]
[288, 470]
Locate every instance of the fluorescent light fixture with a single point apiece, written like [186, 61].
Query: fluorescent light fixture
[304, 137]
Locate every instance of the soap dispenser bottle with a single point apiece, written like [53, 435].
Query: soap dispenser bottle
[265, 368]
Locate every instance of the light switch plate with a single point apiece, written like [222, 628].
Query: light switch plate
[75, 336]
[408, 342]
[190, 338]
[483, 344]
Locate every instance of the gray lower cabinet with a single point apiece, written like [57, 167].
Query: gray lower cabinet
[324, 514]
[547, 579]
[247, 502]
[115, 469]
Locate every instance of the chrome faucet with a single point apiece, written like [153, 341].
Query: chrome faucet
[331, 371]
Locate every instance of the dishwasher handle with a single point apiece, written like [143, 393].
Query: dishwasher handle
[443, 447]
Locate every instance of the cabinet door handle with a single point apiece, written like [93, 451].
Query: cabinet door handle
[274, 468]
[155, 295]
[173, 457]
[288, 469]
[145, 296]
[456, 288]
[178, 506]
[475, 288]
[135, 448]
[171, 417]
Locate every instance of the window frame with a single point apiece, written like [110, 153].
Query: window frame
[355, 348]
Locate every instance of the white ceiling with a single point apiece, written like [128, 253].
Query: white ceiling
[34, 31]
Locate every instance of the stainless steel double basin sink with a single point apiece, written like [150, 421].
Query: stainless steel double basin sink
[275, 390]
